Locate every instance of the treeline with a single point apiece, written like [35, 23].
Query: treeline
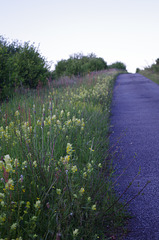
[21, 65]
[79, 65]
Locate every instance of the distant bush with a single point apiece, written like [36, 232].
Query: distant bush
[20, 66]
[118, 65]
[155, 67]
[78, 65]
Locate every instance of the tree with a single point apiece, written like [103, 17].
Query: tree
[20, 65]
[118, 65]
[78, 64]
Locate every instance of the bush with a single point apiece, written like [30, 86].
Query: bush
[78, 65]
[20, 65]
[118, 65]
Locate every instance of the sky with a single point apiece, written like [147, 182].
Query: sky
[116, 30]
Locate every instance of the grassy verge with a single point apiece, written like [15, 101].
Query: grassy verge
[55, 172]
[149, 73]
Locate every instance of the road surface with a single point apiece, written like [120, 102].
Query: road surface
[135, 137]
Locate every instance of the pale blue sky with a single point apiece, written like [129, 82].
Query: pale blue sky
[116, 30]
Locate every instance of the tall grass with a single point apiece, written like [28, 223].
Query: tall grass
[55, 172]
[149, 73]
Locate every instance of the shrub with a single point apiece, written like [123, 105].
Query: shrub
[118, 65]
[78, 65]
[20, 65]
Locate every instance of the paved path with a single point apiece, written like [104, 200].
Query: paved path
[135, 120]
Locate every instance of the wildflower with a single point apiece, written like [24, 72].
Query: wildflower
[37, 204]
[14, 226]
[9, 167]
[89, 199]
[2, 203]
[91, 149]
[2, 218]
[99, 165]
[17, 113]
[1, 196]
[81, 191]
[58, 191]
[7, 158]
[62, 112]
[84, 174]
[21, 178]
[90, 168]
[28, 204]
[53, 117]
[9, 184]
[94, 207]
[69, 148]
[24, 165]
[66, 159]
[35, 164]
[16, 163]
[74, 169]
[75, 232]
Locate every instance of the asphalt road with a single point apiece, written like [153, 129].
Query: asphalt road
[135, 137]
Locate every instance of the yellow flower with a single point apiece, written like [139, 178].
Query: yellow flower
[58, 191]
[99, 165]
[81, 191]
[17, 113]
[89, 199]
[35, 164]
[69, 148]
[74, 169]
[37, 204]
[9, 184]
[2, 217]
[28, 204]
[9, 167]
[94, 207]
[84, 174]
[91, 149]
[66, 159]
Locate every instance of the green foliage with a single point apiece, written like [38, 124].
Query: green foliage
[118, 65]
[78, 65]
[155, 66]
[20, 66]
[152, 72]
[54, 170]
